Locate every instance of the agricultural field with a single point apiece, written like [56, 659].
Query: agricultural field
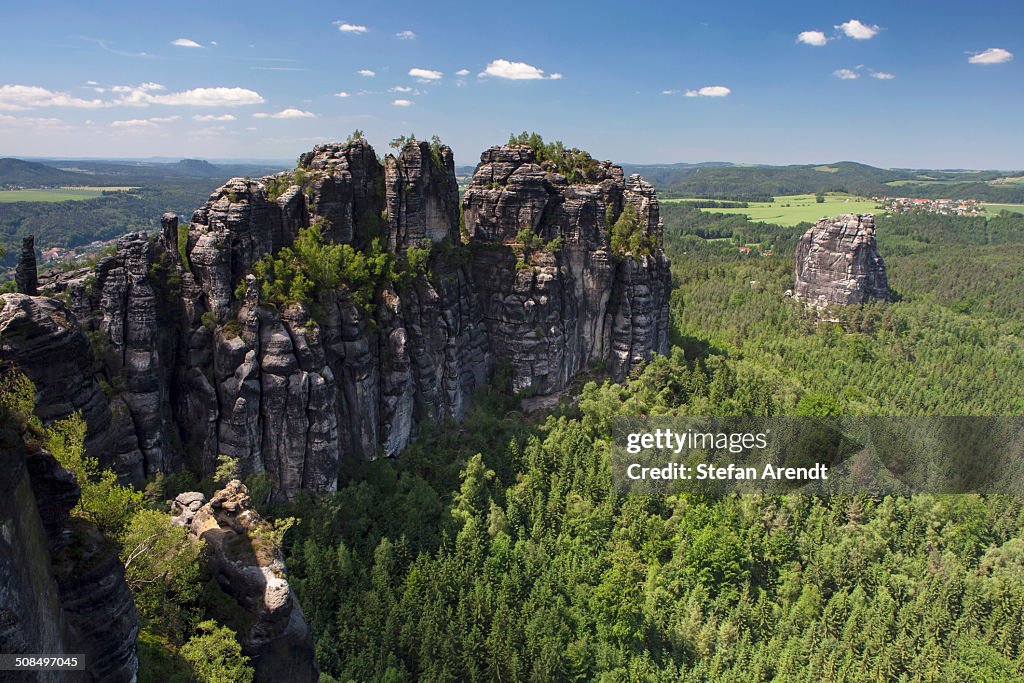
[57, 194]
[794, 209]
[996, 208]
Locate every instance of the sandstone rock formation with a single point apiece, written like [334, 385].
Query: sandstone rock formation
[41, 337]
[571, 301]
[25, 276]
[837, 262]
[62, 588]
[197, 365]
[249, 567]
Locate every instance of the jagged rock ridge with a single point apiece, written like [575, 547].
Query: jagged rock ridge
[837, 262]
[199, 365]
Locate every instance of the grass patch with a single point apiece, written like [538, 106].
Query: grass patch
[996, 208]
[792, 210]
[61, 194]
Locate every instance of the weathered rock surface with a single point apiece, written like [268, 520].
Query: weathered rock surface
[552, 311]
[200, 366]
[25, 275]
[837, 262]
[42, 338]
[250, 569]
[62, 588]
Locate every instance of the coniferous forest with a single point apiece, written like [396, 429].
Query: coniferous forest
[498, 550]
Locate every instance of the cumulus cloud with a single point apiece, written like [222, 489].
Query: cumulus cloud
[164, 119]
[845, 74]
[31, 122]
[405, 35]
[402, 103]
[425, 75]
[400, 88]
[555, 77]
[289, 113]
[993, 55]
[815, 38]
[367, 72]
[18, 97]
[858, 30]
[341, 94]
[709, 91]
[515, 71]
[143, 95]
[882, 75]
[185, 42]
[669, 92]
[133, 123]
[346, 27]
[462, 72]
[213, 117]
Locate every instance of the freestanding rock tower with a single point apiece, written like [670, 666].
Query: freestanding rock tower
[837, 262]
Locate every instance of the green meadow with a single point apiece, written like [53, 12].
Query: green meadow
[996, 208]
[57, 194]
[798, 208]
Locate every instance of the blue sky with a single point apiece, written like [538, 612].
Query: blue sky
[908, 84]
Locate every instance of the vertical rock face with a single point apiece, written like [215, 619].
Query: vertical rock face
[42, 338]
[553, 307]
[199, 366]
[837, 262]
[249, 568]
[62, 588]
[25, 275]
[422, 196]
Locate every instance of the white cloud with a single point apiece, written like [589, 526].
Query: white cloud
[213, 117]
[845, 74]
[709, 91]
[858, 30]
[882, 75]
[669, 92]
[425, 75]
[92, 82]
[993, 55]
[18, 97]
[514, 71]
[341, 94]
[367, 72]
[31, 122]
[185, 42]
[165, 119]
[405, 35]
[402, 103]
[462, 72]
[400, 88]
[555, 77]
[290, 113]
[346, 27]
[133, 123]
[142, 96]
[815, 38]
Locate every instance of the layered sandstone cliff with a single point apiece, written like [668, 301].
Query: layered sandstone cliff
[837, 262]
[566, 300]
[198, 364]
[62, 588]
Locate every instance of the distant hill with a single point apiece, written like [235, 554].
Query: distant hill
[20, 173]
[754, 182]
[199, 168]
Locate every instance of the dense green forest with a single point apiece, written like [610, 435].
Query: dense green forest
[499, 550]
